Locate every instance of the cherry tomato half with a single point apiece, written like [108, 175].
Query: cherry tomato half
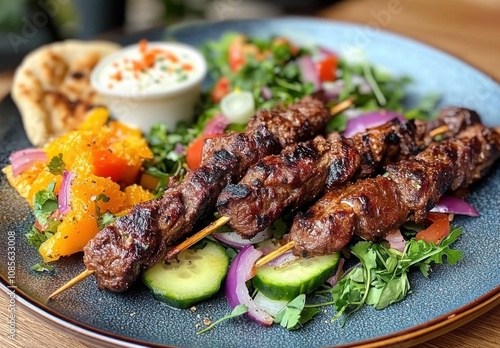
[327, 68]
[221, 88]
[194, 150]
[438, 229]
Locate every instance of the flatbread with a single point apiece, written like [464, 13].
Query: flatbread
[52, 89]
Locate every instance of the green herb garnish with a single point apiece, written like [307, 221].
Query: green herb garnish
[42, 267]
[56, 165]
[106, 218]
[45, 203]
[236, 312]
[168, 151]
[295, 313]
[382, 277]
[36, 237]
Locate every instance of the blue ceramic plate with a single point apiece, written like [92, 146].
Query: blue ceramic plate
[135, 317]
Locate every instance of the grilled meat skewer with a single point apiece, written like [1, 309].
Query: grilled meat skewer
[372, 208]
[303, 171]
[139, 239]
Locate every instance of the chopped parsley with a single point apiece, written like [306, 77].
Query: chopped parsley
[42, 267]
[106, 218]
[295, 313]
[56, 165]
[36, 237]
[236, 312]
[381, 278]
[45, 203]
[168, 147]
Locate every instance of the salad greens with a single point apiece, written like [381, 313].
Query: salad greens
[168, 151]
[45, 204]
[371, 87]
[295, 314]
[278, 72]
[381, 277]
[269, 69]
[275, 68]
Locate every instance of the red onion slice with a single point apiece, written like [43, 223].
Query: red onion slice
[28, 151]
[308, 72]
[332, 89]
[24, 159]
[370, 120]
[352, 113]
[179, 148]
[217, 125]
[240, 271]
[234, 240]
[273, 307]
[335, 278]
[396, 240]
[65, 192]
[266, 92]
[454, 205]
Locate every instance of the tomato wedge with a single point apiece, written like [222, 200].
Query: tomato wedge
[221, 89]
[438, 229]
[194, 151]
[108, 165]
[327, 68]
[236, 54]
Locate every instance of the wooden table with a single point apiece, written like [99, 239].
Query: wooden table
[468, 29]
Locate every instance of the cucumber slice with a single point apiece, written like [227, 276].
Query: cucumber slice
[299, 276]
[196, 275]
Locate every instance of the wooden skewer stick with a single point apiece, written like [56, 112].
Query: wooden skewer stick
[209, 229]
[343, 105]
[290, 245]
[72, 282]
[196, 237]
[272, 255]
[171, 254]
[439, 130]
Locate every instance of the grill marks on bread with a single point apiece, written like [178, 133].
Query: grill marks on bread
[52, 87]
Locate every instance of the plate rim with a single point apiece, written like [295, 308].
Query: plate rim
[402, 338]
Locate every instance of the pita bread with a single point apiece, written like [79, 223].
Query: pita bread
[52, 90]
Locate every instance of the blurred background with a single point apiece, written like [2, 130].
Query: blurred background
[468, 29]
[26, 24]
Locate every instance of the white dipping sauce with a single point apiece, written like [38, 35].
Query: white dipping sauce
[149, 83]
